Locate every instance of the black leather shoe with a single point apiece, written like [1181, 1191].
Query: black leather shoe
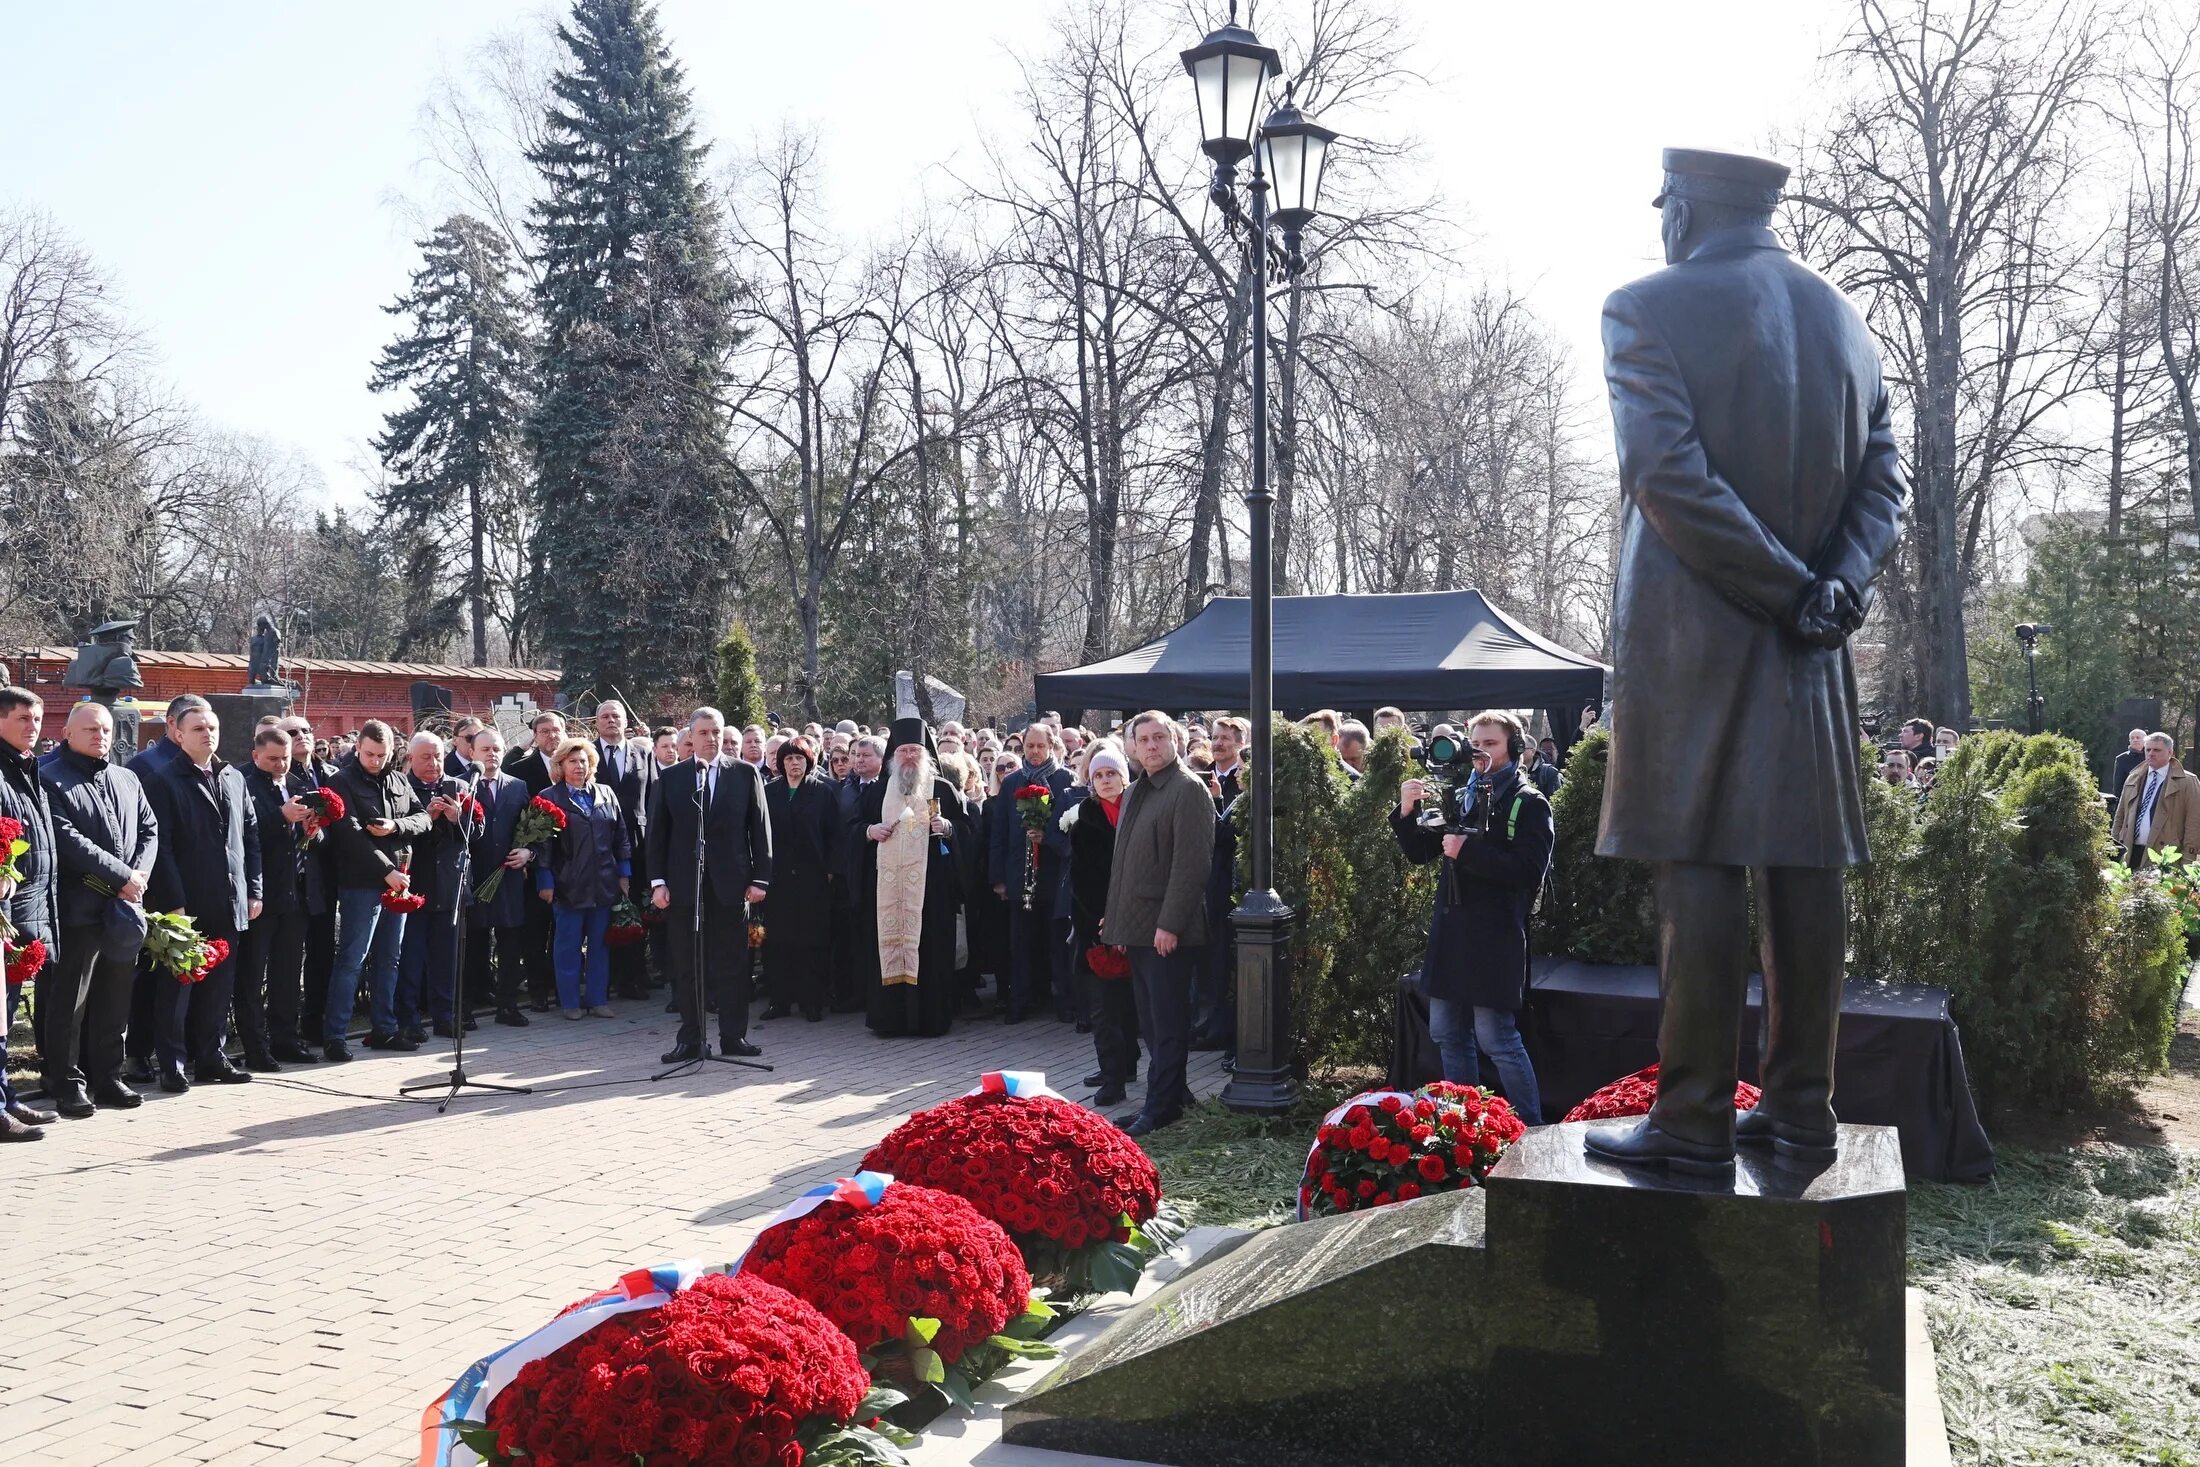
[813, 1016]
[416, 1034]
[391, 1042]
[542, 1006]
[30, 1115]
[173, 1080]
[114, 1095]
[335, 1054]
[12, 1129]
[295, 1054]
[225, 1074]
[1792, 1146]
[138, 1071]
[1109, 1095]
[263, 1062]
[681, 1054]
[1097, 1077]
[739, 1048]
[512, 1018]
[1141, 1126]
[776, 1011]
[1643, 1144]
[70, 1099]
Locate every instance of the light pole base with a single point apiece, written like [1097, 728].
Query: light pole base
[1265, 1081]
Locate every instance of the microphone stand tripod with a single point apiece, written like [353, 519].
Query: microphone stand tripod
[456, 1080]
[695, 954]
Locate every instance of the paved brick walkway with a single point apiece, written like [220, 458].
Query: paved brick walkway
[261, 1274]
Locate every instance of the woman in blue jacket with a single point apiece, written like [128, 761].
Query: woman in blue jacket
[584, 879]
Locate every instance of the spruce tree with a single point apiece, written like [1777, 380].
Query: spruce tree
[740, 692]
[632, 532]
[452, 453]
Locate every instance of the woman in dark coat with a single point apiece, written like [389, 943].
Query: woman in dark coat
[586, 875]
[1108, 998]
[797, 912]
[987, 913]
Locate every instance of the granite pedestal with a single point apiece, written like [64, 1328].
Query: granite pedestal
[240, 714]
[1569, 1312]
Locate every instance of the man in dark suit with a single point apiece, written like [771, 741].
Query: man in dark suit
[1762, 497]
[2131, 758]
[459, 763]
[271, 982]
[104, 832]
[498, 926]
[737, 869]
[310, 772]
[427, 964]
[28, 903]
[629, 775]
[143, 1033]
[208, 869]
[532, 770]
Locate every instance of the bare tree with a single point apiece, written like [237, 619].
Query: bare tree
[2161, 94]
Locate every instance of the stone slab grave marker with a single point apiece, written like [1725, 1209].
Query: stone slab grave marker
[1569, 1312]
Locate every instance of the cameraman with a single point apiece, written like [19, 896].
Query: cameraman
[1495, 838]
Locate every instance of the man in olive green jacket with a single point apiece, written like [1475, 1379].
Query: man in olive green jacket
[1157, 907]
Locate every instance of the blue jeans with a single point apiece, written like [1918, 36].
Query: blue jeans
[1459, 1028]
[7, 1022]
[426, 968]
[575, 926]
[365, 934]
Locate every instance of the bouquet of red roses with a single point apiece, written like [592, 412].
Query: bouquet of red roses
[626, 924]
[1388, 1146]
[176, 947]
[539, 822]
[725, 1370]
[1077, 1195]
[327, 808]
[12, 847]
[932, 1292]
[21, 964]
[1034, 802]
[402, 902]
[1632, 1095]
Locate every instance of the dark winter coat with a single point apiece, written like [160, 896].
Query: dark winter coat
[1091, 855]
[629, 776]
[1756, 456]
[1010, 844]
[588, 857]
[1478, 935]
[502, 800]
[362, 861]
[23, 797]
[1164, 850]
[103, 828]
[806, 834]
[209, 864]
[435, 856]
[282, 848]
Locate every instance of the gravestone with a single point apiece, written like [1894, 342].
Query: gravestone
[1568, 1312]
[1275, 1350]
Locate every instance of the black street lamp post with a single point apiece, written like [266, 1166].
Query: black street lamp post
[1230, 73]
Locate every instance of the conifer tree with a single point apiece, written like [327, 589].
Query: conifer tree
[740, 692]
[632, 534]
[452, 452]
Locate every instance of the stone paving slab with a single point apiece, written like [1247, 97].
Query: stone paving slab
[272, 1274]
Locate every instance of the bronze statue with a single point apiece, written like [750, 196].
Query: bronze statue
[262, 671]
[1762, 497]
[106, 667]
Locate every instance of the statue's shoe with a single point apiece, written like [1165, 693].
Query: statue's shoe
[1644, 1145]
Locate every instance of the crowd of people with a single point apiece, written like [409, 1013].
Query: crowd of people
[908, 873]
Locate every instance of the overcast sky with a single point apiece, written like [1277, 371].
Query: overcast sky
[234, 164]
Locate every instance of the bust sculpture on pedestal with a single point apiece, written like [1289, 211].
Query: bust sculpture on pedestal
[106, 667]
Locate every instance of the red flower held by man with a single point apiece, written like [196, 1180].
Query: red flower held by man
[24, 962]
[217, 953]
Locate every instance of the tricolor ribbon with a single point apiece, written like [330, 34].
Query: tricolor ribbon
[861, 1190]
[1022, 1084]
[1372, 1100]
[469, 1396]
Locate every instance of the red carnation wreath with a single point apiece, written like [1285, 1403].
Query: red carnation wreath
[1632, 1095]
[1071, 1189]
[932, 1291]
[729, 1370]
[1386, 1147]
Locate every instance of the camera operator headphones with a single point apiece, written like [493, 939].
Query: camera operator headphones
[1516, 739]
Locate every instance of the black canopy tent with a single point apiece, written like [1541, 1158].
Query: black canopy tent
[1421, 650]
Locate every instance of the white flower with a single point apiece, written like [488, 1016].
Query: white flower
[1069, 817]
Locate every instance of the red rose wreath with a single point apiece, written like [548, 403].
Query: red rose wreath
[1631, 1095]
[930, 1290]
[1069, 1187]
[729, 1370]
[1388, 1146]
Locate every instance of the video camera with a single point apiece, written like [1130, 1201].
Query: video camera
[1448, 766]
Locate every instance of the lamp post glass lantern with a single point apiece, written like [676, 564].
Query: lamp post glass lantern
[1230, 73]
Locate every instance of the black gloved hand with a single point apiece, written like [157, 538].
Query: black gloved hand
[1825, 614]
